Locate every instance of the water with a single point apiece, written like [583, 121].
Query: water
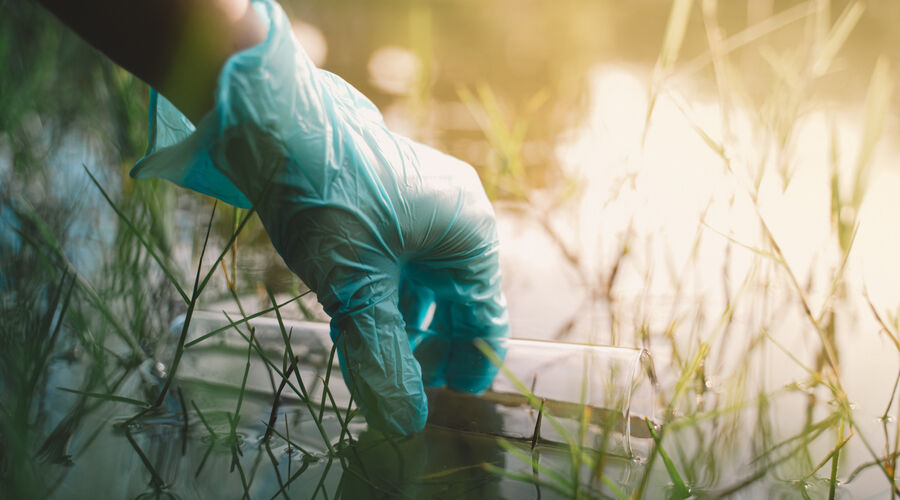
[437, 464]
[640, 239]
[166, 453]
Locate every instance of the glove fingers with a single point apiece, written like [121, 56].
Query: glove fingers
[417, 304]
[465, 367]
[336, 256]
[470, 306]
[377, 360]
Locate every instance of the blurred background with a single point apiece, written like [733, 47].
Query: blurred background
[715, 182]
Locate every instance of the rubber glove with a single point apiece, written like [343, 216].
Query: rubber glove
[361, 215]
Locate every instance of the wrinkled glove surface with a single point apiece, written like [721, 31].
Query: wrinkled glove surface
[386, 231]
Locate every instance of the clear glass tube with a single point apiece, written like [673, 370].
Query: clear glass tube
[596, 396]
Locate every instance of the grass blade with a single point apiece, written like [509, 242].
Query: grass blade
[837, 37]
[217, 331]
[533, 463]
[203, 419]
[500, 471]
[878, 100]
[532, 399]
[287, 342]
[675, 29]
[681, 490]
[140, 237]
[240, 401]
[288, 440]
[108, 397]
[187, 316]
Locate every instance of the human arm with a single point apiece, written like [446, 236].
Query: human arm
[176, 46]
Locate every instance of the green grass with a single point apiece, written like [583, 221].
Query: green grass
[115, 321]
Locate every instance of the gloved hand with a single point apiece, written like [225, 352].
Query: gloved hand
[382, 228]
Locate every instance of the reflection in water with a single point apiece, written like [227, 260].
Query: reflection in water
[160, 457]
[674, 201]
[695, 248]
[223, 452]
[617, 230]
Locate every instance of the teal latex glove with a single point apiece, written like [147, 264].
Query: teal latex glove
[385, 230]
